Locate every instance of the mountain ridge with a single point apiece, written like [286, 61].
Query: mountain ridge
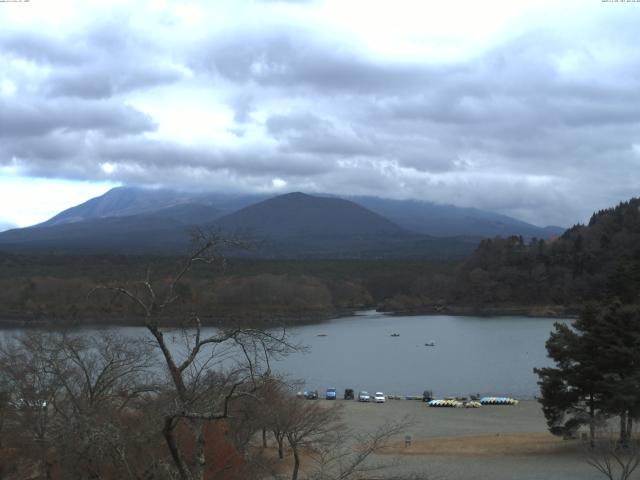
[288, 226]
[414, 215]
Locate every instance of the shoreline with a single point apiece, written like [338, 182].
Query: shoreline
[226, 319]
[533, 311]
[279, 319]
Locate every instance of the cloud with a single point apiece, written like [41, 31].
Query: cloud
[293, 58]
[519, 113]
[24, 118]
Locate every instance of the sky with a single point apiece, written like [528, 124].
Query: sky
[527, 108]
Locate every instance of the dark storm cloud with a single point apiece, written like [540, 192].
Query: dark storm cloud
[104, 81]
[82, 155]
[291, 57]
[36, 47]
[144, 153]
[108, 59]
[28, 118]
[310, 134]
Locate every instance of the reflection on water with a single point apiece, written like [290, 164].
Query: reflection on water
[470, 354]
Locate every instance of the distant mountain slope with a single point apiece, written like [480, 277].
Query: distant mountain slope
[448, 220]
[117, 202]
[296, 225]
[6, 226]
[300, 215]
[125, 201]
[420, 217]
[293, 226]
[130, 234]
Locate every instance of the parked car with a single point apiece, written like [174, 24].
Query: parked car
[363, 396]
[427, 396]
[348, 394]
[379, 397]
[330, 394]
[312, 395]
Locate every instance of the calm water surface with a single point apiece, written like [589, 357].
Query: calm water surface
[483, 355]
[471, 354]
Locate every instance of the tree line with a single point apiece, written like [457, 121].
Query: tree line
[590, 262]
[182, 403]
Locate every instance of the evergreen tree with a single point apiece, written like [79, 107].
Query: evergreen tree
[597, 372]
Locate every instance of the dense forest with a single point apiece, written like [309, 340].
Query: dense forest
[592, 262]
[588, 262]
[596, 261]
[55, 287]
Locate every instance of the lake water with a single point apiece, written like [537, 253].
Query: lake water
[493, 356]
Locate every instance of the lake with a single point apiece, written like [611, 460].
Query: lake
[486, 355]
[494, 355]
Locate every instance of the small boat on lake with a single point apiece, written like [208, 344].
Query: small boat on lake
[395, 334]
[322, 335]
[430, 344]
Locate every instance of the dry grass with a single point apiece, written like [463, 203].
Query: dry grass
[496, 444]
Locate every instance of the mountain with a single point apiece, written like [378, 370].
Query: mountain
[416, 216]
[293, 225]
[128, 201]
[450, 221]
[300, 215]
[305, 226]
[131, 234]
[6, 226]
[135, 220]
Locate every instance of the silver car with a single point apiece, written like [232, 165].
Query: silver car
[363, 396]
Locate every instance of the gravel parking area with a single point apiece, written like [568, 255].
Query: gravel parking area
[491, 442]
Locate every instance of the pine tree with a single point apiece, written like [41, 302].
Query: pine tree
[597, 372]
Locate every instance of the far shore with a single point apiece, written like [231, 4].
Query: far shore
[282, 319]
[533, 311]
[225, 319]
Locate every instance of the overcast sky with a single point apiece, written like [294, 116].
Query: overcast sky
[530, 109]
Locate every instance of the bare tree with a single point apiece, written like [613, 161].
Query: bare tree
[78, 400]
[331, 450]
[273, 414]
[612, 459]
[344, 455]
[195, 395]
[307, 423]
[33, 389]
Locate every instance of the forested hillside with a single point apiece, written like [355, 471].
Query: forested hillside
[588, 262]
[596, 261]
[55, 287]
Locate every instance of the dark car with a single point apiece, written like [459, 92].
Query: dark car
[312, 395]
[348, 394]
[427, 396]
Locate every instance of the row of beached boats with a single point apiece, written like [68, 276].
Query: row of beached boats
[455, 403]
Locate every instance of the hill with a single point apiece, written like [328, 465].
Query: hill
[129, 201]
[412, 215]
[450, 221]
[593, 262]
[289, 226]
[299, 215]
